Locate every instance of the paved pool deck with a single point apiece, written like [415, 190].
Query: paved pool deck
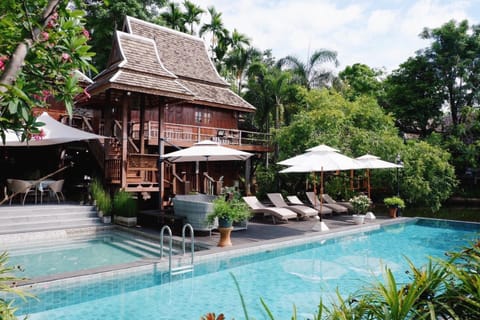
[261, 233]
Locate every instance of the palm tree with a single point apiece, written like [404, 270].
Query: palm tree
[216, 28]
[238, 61]
[173, 17]
[192, 14]
[308, 73]
[238, 40]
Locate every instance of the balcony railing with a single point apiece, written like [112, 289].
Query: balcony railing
[189, 133]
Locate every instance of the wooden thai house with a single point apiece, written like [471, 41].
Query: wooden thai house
[159, 92]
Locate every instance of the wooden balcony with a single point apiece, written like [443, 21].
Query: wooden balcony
[186, 135]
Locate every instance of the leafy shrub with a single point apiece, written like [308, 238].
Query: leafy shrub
[102, 197]
[394, 202]
[124, 205]
[234, 210]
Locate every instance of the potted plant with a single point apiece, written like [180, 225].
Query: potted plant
[227, 210]
[393, 204]
[124, 209]
[102, 201]
[360, 204]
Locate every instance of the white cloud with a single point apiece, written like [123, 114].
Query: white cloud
[376, 33]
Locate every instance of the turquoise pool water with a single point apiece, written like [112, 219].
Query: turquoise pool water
[79, 254]
[298, 275]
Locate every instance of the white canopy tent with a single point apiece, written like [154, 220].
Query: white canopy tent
[53, 132]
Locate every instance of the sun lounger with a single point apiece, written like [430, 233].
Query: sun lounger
[315, 201]
[301, 210]
[294, 200]
[329, 200]
[256, 206]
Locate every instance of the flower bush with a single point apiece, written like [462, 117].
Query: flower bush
[360, 203]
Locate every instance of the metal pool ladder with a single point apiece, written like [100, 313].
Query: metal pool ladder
[182, 268]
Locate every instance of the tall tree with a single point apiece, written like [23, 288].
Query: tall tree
[359, 79]
[104, 17]
[454, 53]
[309, 73]
[173, 17]
[192, 15]
[413, 93]
[42, 43]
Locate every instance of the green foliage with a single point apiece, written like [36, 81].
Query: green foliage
[396, 202]
[7, 310]
[124, 205]
[39, 52]
[359, 79]
[359, 127]
[234, 210]
[427, 178]
[360, 203]
[101, 197]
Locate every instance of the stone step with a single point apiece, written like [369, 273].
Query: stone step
[35, 218]
[48, 226]
[32, 210]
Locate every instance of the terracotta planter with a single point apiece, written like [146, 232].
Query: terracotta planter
[225, 237]
[392, 211]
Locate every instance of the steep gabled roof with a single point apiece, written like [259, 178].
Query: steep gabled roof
[134, 65]
[186, 57]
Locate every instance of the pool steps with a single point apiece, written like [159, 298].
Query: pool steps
[34, 218]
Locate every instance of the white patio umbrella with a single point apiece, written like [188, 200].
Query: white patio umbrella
[369, 161]
[53, 132]
[206, 150]
[319, 159]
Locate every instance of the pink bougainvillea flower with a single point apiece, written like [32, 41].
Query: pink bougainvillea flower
[86, 34]
[2, 62]
[44, 36]
[85, 92]
[39, 136]
[66, 57]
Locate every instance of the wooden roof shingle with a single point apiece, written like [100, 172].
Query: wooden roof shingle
[186, 57]
[136, 66]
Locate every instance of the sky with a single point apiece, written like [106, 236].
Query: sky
[378, 33]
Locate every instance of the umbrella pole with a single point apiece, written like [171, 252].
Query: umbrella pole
[368, 183]
[320, 225]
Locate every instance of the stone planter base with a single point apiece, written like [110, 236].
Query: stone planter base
[126, 221]
[358, 218]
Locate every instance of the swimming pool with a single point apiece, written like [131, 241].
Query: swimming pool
[106, 249]
[298, 275]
